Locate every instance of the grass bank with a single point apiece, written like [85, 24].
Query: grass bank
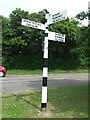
[67, 102]
[31, 72]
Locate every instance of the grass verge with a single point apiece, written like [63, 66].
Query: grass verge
[31, 72]
[67, 102]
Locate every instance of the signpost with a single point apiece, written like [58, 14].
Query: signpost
[48, 36]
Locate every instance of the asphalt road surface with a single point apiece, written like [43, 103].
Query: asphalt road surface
[22, 83]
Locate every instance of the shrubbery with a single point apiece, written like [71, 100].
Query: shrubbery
[23, 46]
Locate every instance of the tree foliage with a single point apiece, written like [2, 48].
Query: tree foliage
[83, 47]
[23, 46]
[83, 15]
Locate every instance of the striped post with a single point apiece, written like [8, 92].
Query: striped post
[45, 68]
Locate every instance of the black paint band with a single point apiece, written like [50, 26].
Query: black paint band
[45, 62]
[47, 27]
[43, 105]
[44, 83]
[46, 34]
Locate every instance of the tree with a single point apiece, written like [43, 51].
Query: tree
[63, 52]
[83, 41]
[17, 39]
[22, 45]
[83, 15]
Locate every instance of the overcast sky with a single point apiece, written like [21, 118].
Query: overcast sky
[73, 6]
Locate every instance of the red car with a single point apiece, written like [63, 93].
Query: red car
[2, 71]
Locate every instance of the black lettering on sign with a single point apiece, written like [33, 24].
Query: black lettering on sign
[35, 23]
[27, 24]
[32, 26]
[29, 21]
[24, 20]
[32, 22]
[55, 14]
[36, 26]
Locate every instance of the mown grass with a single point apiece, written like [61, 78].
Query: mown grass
[67, 102]
[31, 72]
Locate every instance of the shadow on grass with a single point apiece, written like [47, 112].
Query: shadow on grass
[20, 97]
[70, 102]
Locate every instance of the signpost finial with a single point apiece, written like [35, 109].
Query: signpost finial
[45, 10]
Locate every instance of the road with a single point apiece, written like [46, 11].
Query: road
[22, 83]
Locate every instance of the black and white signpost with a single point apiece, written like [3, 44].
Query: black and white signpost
[45, 66]
[48, 36]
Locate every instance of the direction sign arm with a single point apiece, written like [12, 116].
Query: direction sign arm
[33, 24]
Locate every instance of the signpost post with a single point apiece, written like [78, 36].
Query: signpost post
[48, 36]
[45, 67]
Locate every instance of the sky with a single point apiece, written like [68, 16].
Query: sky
[73, 7]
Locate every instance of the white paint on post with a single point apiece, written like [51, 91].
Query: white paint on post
[45, 72]
[46, 47]
[44, 94]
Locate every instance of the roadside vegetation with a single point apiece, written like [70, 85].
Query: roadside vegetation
[67, 102]
[22, 47]
[33, 72]
[22, 54]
